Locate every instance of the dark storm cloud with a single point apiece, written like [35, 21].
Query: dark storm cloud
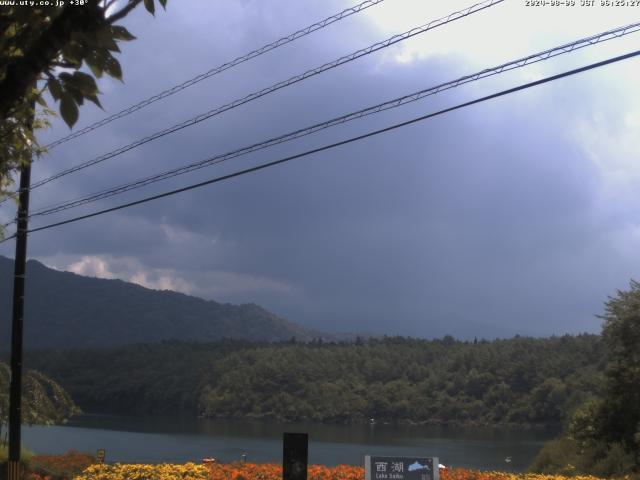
[481, 222]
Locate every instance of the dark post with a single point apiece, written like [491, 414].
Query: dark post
[295, 452]
[15, 393]
[100, 455]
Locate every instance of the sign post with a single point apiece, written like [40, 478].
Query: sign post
[401, 468]
[295, 453]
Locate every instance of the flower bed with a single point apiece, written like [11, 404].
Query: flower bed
[251, 471]
[464, 474]
[216, 471]
[165, 471]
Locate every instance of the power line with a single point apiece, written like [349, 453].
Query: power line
[253, 96]
[219, 69]
[340, 143]
[396, 102]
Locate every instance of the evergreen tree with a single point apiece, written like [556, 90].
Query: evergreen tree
[620, 413]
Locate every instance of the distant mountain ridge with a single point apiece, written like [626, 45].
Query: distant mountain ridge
[65, 310]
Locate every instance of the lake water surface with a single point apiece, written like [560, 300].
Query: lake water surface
[173, 439]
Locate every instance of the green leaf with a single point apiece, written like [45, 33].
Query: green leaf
[70, 86]
[163, 3]
[112, 45]
[104, 38]
[121, 33]
[77, 95]
[112, 67]
[94, 99]
[64, 77]
[85, 83]
[96, 61]
[94, 67]
[68, 109]
[11, 30]
[150, 6]
[73, 53]
[54, 88]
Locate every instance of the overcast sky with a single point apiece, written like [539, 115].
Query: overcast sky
[515, 216]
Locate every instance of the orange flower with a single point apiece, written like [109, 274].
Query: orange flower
[252, 471]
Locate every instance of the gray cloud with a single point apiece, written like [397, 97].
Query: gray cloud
[491, 221]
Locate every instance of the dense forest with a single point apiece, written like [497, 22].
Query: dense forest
[521, 381]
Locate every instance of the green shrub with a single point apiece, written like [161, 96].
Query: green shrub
[557, 457]
[616, 462]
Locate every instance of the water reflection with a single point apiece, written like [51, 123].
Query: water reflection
[179, 439]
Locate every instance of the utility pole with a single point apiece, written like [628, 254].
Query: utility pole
[15, 393]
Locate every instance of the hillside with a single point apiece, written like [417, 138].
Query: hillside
[66, 310]
[522, 381]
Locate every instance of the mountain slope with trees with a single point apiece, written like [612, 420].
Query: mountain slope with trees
[522, 381]
[44, 402]
[103, 312]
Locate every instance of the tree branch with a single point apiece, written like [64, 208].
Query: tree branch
[64, 65]
[123, 12]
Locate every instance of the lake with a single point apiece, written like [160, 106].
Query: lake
[181, 439]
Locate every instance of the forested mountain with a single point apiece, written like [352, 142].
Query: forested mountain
[518, 381]
[67, 310]
[43, 400]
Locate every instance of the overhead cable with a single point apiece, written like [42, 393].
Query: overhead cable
[340, 143]
[265, 91]
[219, 69]
[396, 102]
